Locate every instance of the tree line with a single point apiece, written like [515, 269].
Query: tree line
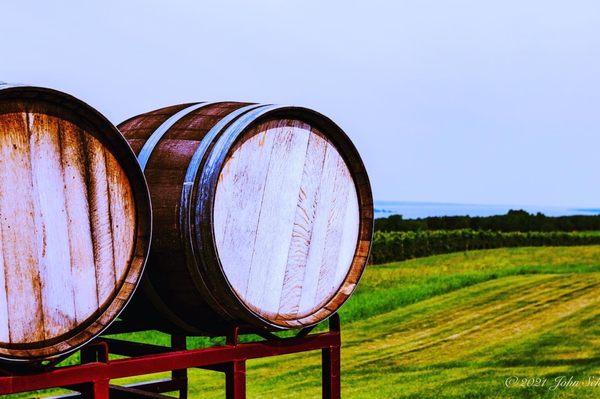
[513, 221]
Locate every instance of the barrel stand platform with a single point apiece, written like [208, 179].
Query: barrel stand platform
[91, 379]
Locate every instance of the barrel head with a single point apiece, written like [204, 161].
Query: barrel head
[286, 220]
[68, 226]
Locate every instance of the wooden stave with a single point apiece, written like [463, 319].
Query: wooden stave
[150, 307]
[67, 107]
[165, 312]
[201, 255]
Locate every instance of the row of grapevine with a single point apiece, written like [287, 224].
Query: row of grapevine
[401, 245]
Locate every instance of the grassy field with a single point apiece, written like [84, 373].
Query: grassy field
[454, 326]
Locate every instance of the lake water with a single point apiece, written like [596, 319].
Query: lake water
[413, 210]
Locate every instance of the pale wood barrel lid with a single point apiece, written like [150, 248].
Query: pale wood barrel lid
[70, 255]
[286, 221]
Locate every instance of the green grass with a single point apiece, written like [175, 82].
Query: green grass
[453, 326]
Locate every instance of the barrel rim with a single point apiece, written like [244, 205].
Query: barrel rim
[103, 130]
[204, 227]
[194, 258]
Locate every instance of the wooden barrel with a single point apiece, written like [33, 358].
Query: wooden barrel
[74, 223]
[262, 216]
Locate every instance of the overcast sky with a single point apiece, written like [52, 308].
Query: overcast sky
[493, 102]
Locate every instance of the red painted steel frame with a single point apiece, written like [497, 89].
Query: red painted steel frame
[92, 377]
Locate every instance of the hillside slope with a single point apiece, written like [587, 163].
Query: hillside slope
[527, 312]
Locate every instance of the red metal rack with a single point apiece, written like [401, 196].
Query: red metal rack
[92, 378]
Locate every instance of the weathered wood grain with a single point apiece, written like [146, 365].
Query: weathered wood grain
[348, 246]
[51, 231]
[304, 222]
[81, 247]
[326, 240]
[4, 331]
[122, 216]
[300, 188]
[67, 230]
[273, 230]
[235, 244]
[337, 238]
[19, 235]
[100, 218]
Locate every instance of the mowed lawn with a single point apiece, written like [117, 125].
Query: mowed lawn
[453, 326]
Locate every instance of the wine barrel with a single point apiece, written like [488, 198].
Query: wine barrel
[74, 224]
[263, 216]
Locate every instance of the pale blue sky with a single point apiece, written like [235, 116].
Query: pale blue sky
[448, 101]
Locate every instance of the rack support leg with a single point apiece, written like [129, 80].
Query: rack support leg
[235, 380]
[178, 342]
[331, 373]
[100, 389]
[331, 363]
